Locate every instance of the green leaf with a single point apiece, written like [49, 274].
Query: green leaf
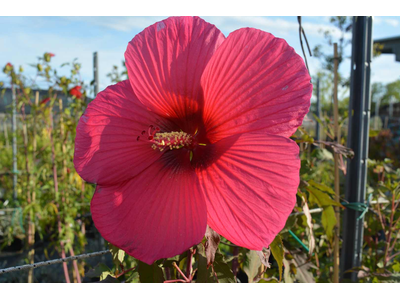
[108, 278]
[252, 265]
[117, 255]
[222, 269]
[265, 280]
[290, 222]
[134, 277]
[150, 273]
[322, 154]
[105, 274]
[277, 251]
[396, 267]
[204, 274]
[328, 221]
[320, 198]
[321, 186]
[97, 270]
[223, 272]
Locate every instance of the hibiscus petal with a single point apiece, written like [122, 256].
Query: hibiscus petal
[160, 213]
[253, 82]
[106, 147]
[165, 63]
[250, 190]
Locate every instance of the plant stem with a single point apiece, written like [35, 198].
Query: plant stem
[336, 259]
[235, 263]
[55, 178]
[180, 272]
[189, 262]
[389, 235]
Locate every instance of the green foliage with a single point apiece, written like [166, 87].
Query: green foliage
[150, 273]
[116, 75]
[118, 255]
[277, 251]
[252, 265]
[51, 194]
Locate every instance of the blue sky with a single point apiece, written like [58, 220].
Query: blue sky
[78, 37]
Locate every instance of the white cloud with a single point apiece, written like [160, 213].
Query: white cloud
[392, 22]
[123, 24]
[385, 20]
[277, 26]
[384, 68]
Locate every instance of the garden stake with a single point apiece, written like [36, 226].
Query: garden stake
[336, 259]
[14, 141]
[64, 178]
[53, 160]
[30, 237]
[6, 134]
[357, 140]
[31, 223]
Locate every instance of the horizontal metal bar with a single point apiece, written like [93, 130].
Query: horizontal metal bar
[52, 262]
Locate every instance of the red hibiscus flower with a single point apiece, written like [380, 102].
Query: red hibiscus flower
[198, 135]
[51, 54]
[76, 91]
[44, 101]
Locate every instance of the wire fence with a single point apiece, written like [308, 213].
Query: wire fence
[93, 254]
[52, 262]
[99, 253]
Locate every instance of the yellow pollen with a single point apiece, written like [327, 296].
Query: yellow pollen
[171, 140]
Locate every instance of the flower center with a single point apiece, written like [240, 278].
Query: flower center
[168, 140]
[171, 140]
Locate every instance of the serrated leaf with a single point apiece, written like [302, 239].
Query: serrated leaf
[150, 273]
[277, 251]
[251, 265]
[328, 220]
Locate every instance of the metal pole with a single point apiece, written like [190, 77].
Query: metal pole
[318, 113]
[14, 142]
[96, 73]
[358, 131]
[336, 259]
[378, 102]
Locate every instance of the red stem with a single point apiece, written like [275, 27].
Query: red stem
[179, 270]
